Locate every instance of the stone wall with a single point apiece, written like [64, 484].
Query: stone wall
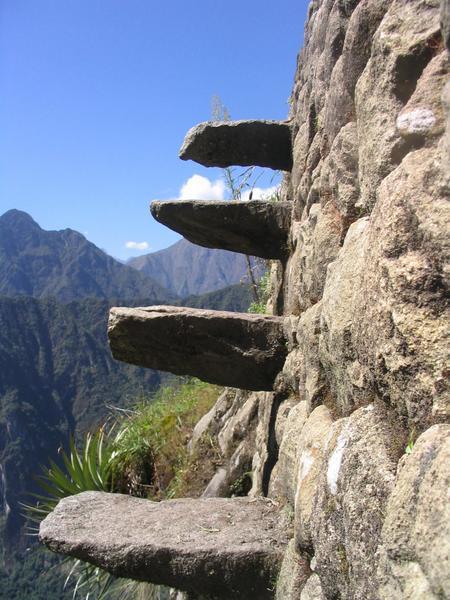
[347, 433]
[354, 439]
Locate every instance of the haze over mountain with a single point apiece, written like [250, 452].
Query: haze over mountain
[65, 265]
[186, 269]
[57, 378]
[57, 375]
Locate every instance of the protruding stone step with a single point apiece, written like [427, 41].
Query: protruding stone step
[234, 349]
[257, 227]
[220, 547]
[245, 143]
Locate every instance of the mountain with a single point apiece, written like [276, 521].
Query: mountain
[186, 269]
[65, 265]
[236, 298]
[57, 378]
[57, 375]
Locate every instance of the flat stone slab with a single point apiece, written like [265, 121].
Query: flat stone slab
[257, 227]
[233, 349]
[244, 143]
[220, 547]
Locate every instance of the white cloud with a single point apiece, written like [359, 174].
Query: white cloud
[201, 188]
[137, 245]
[198, 187]
[259, 193]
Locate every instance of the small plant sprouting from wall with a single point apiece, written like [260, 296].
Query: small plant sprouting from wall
[264, 290]
[238, 183]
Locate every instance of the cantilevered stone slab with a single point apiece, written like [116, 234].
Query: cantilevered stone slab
[257, 228]
[220, 547]
[233, 349]
[245, 143]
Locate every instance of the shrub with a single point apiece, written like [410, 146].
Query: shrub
[144, 453]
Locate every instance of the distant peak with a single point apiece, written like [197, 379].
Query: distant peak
[16, 217]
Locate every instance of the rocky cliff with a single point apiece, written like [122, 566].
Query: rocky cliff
[351, 442]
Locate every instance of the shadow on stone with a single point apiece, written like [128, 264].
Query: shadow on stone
[257, 228]
[234, 349]
[220, 547]
[244, 143]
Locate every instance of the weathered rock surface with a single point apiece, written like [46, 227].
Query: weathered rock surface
[234, 349]
[384, 309]
[309, 466]
[282, 482]
[224, 548]
[265, 443]
[317, 241]
[361, 352]
[401, 310]
[445, 21]
[364, 292]
[404, 43]
[350, 502]
[339, 109]
[245, 143]
[312, 590]
[347, 377]
[293, 575]
[232, 423]
[257, 228]
[422, 117]
[415, 549]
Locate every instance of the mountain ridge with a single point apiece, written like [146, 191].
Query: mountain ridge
[65, 265]
[186, 269]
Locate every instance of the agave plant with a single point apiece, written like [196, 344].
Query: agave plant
[89, 469]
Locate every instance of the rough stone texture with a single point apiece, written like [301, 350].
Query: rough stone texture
[347, 377]
[282, 419]
[294, 573]
[401, 312]
[417, 515]
[265, 444]
[257, 228]
[312, 590]
[232, 424]
[282, 483]
[308, 469]
[316, 241]
[245, 143]
[384, 328]
[238, 422]
[445, 21]
[364, 299]
[339, 177]
[423, 116]
[235, 349]
[445, 165]
[339, 106]
[403, 44]
[221, 547]
[351, 495]
[363, 293]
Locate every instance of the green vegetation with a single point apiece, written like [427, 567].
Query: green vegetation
[149, 451]
[238, 182]
[143, 454]
[411, 441]
[264, 290]
[89, 469]
[236, 298]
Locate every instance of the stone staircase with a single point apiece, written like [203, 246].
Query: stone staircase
[257, 228]
[220, 547]
[214, 547]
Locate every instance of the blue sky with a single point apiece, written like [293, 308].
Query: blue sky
[98, 94]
